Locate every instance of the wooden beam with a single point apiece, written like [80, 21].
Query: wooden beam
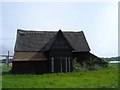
[61, 64]
[66, 64]
[69, 63]
[7, 59]
[52, 64]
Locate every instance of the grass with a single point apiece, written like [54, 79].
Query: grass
[104, 78]
[114, 65]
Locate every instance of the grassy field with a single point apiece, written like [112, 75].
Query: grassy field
[104, 78]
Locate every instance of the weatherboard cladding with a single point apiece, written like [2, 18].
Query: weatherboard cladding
[29, 56]
[31, 41]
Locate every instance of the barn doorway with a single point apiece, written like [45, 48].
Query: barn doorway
[60, 64]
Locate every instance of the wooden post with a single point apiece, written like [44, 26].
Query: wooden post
[7, 59]
[52, 64]
[61, 64]
[69, 63]
[66, 64]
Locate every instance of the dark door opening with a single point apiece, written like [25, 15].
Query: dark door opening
[60, 64]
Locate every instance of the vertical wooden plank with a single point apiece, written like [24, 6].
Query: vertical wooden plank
[52, 64]
[69, 63]
[7, 59]
[61, 64]
[66, 64]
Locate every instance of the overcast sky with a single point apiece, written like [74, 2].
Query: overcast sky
[98, 21]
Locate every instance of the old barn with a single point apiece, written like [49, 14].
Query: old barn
[49, 51]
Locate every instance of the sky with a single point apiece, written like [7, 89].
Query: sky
[98, 21]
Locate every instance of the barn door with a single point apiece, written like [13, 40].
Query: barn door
[60, 64]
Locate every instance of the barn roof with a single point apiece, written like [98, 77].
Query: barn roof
[37, 40]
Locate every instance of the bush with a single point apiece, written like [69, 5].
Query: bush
[95, 64]
[104, 63]
[92, 64]
[77, 67]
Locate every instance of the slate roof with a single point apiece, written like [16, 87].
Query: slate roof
[31, 41]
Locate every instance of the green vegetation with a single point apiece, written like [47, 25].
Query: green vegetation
[112, 58]
[102, 78]
[4, 61]
[89, 65]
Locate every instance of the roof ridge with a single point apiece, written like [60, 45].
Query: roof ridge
[21, 30]
[51, 42]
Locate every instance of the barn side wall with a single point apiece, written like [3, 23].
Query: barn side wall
[37, 67]
[40, 67]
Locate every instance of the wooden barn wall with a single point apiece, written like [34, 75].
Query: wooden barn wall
[57, 65]
[60, 48]
[81, 56]
[37, 67]
[60, 53]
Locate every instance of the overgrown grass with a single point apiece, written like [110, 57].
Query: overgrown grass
[114, 65]
[104, 78]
